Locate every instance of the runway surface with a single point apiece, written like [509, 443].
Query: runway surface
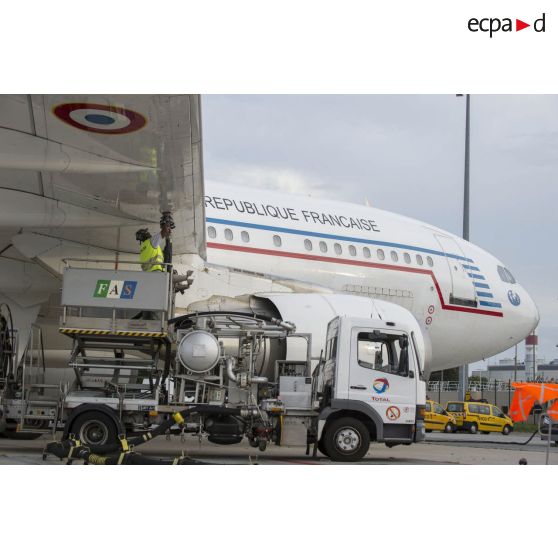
[439, 449]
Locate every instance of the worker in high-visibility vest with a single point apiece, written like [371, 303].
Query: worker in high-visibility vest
[151, 248]
[156, 250]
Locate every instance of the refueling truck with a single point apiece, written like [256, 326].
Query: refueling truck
[231, 371]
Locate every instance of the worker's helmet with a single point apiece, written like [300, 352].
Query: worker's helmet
[142, 234]
[166, 219]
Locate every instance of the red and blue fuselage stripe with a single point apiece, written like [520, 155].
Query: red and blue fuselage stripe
[359, 263]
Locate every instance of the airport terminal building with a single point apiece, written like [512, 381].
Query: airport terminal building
[507, 370]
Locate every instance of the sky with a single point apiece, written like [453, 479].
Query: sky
[405, 153]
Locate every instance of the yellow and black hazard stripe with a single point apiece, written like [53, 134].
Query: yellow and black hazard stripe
[76, 331]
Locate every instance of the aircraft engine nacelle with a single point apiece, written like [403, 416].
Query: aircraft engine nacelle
[311, 313]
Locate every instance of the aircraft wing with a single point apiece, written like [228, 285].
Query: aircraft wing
[79, 174]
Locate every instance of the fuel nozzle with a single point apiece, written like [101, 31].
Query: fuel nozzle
[166, 219]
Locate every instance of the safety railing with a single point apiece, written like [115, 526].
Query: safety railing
[548, 430]
[489, 385]
[97, 297]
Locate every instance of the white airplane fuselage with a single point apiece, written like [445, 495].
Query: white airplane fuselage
[467, 303]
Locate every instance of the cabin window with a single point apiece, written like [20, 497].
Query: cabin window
[277, 240]
[407, 258]
[245, 236]
[394, 256]
[211, 232]
[352, 250]
[430, 261]
[338, 249]
[323, 246]
[419, 259]
[366, 252]
[381, 255]
[228, 234]
[308, 244]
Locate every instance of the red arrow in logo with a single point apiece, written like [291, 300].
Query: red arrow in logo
[519, 25]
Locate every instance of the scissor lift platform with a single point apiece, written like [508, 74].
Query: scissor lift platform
[118, 320]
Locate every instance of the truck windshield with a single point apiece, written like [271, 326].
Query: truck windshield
[383, 352]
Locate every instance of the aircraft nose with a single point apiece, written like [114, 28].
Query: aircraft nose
[525, 310]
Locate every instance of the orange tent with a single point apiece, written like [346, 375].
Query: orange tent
[527, 394]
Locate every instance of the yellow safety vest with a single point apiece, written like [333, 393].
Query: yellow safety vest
[150, 257]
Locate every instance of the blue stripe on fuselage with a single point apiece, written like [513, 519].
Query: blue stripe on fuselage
[492, 304]
[334, 237]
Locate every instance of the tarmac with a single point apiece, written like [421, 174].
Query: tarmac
[438, 449]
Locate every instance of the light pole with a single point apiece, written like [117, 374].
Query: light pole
[464, 369]
[466, 181]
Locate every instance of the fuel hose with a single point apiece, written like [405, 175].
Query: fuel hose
[120, 453]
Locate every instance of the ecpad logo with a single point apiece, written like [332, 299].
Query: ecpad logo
[381, 385]
[492, 25]
[115, 289]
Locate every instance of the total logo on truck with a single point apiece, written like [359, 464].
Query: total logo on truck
[107, 288]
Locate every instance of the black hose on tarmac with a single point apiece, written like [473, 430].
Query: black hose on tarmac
[120, 453]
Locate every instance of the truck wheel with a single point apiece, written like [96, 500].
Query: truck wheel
[473, 428]
[346, 439]
[94, 429]
[448, 429]
[506, 430]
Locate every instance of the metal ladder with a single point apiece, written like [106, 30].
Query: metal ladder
[39, 414]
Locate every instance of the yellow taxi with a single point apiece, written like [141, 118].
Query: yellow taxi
[437, 418]
[474, 416]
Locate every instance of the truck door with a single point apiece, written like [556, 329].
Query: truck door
[462, 288]
[382, 374]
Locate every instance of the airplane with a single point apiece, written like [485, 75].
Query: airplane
[79, 174]
[468, 303]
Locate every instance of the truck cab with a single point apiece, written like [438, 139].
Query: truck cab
[371, 386]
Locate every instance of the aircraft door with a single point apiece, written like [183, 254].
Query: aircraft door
[382, 374]
[462, 288]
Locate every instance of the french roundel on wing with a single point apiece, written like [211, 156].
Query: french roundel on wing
[100, 119]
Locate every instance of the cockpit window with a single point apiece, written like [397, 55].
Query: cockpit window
[512, 278]
[506, 275]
